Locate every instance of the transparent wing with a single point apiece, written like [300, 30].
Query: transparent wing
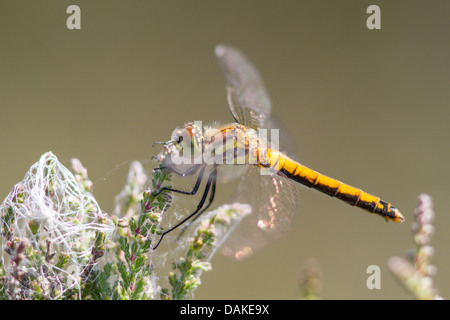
[247, 96]
[274, 201]
[285, 143]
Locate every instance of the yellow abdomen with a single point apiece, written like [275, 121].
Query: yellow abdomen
[332, 187]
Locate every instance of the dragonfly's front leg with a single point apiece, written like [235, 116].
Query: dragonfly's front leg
[189, 171]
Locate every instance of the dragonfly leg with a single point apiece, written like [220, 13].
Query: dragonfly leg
[189, 171]
[198, 211]
[211, 199]
[190, 193]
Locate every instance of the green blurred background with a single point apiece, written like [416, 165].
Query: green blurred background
[368, 107]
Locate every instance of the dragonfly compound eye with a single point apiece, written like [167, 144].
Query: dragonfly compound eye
[179, 138]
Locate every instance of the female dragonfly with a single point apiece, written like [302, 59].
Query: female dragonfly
[268, 180]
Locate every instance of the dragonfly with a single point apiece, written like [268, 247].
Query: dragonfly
[268, 176]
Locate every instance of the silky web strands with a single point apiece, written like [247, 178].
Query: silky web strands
[52, 233]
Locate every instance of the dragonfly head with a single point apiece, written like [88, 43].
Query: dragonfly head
[188, 139]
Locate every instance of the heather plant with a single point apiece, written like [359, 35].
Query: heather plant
[56, 242]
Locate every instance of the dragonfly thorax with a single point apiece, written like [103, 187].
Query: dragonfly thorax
[232, 144]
